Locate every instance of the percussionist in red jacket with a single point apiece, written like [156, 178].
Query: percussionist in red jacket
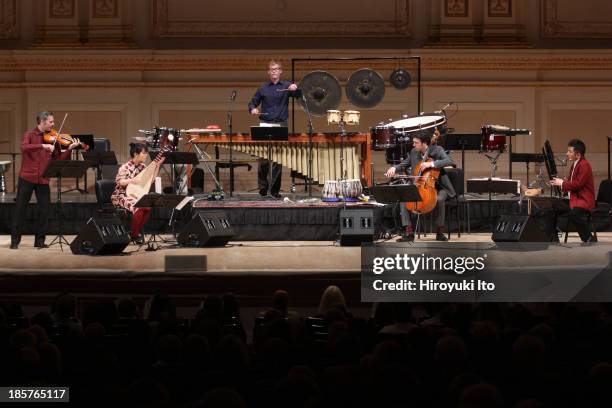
[579, 186]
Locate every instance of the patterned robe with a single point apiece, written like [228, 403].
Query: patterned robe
[126, 171]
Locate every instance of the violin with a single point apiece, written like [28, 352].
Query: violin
[64, 139]
[425, 181]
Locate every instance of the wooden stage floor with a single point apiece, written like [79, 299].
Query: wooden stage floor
[251, 269]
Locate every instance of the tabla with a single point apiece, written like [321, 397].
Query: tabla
[490, 142]
[333, 117]
[426, 123]
[350, 188]
[351, 117]
[331, 189]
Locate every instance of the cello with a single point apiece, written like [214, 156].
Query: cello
[425, 181]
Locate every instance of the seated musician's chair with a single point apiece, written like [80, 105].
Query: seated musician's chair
[4, 167]
[104, 191]
[602, 213]
[457, 204]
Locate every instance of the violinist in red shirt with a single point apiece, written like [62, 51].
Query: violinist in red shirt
[36, 155]
[580, 188]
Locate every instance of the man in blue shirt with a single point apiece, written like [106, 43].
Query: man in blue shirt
[273, 96]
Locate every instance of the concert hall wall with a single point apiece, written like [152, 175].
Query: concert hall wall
[118, 66]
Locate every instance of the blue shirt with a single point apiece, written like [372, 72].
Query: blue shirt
[273, 103]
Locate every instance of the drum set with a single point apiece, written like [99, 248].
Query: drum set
[395, 136]
[161, 136]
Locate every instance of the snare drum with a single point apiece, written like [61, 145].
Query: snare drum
[490, 142]
[383, 137]
[426, 123]
[333, 117]
[351, 117]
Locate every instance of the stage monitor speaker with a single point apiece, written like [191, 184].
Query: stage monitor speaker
[101, 236]
[518, 228]
[206, 228]
[356, 226]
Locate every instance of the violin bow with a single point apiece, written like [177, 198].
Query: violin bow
[59, 131]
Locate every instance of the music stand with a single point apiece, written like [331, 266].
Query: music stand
[527, 158]
[269, 134]
[100, 159]
[58, 169]
[154, 200]
[182, 158]
[401, 193]
[463, 141]
[492, 186]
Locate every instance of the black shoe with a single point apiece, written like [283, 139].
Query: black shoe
[41, 246]
[138, 240]
[592, 240]
[14, 245]
[263, 192]
[440, 236]
[275, 195]
[407, 238]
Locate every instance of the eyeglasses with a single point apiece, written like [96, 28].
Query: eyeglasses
[275, 69]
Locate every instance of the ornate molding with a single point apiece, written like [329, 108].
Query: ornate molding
[9, 28]
[105, 9]
[553, 27]
[61, 8]
[431, 61]
[164, 27]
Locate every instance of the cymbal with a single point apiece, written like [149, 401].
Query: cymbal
[322, 92]
[140, 138]
[400, 78]
[365, 88]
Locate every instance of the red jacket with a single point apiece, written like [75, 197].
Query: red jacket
[580, 185]
[35, 158]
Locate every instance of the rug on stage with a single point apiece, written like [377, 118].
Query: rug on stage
[276, 204]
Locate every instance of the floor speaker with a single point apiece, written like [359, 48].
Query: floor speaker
[101, 236]
[356, 226]
[519, 228]
[206, 228]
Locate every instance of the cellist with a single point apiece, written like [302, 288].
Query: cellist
[431, 156]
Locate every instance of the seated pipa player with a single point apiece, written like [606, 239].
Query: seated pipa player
[127, 175]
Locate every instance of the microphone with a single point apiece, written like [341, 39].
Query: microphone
[233, 97]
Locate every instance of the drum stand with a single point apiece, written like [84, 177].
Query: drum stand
[493, 160]
[205, 158]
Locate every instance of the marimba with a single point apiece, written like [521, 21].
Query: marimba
[293, 153]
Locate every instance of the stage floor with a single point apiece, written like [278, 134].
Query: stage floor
[251, 269]
[257, 257]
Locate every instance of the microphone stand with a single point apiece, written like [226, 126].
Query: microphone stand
[231, 158]
[310, 145]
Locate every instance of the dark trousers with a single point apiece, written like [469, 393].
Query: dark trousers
[262, 176]
[440, 210]
[577, 216]
[43, 199]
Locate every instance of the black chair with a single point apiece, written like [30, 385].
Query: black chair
[602, 213]
[102, 144]
[104, 191]
[457, 203]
